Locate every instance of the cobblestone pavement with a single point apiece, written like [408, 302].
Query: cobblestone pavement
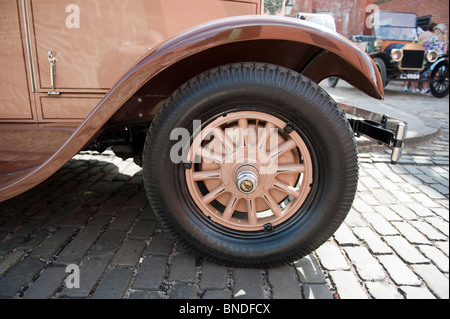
[93, 213]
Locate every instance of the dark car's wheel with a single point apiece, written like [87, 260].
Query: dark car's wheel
[439, 80]
[250, 165]
[382, 68]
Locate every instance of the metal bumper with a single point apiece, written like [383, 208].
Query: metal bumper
[379, 127]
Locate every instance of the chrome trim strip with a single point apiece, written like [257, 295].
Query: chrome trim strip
[28, 43]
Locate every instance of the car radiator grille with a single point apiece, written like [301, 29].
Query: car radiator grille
[412, 59]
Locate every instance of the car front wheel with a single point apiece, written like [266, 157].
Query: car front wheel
[250, 165]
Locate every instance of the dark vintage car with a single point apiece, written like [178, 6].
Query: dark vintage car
[399, 55]
[245, 159]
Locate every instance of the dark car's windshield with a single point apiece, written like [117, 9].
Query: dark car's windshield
[395, 25]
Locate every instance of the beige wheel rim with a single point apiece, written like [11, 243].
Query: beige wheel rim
[250, 171]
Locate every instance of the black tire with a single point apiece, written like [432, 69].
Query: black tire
[279, 92]
[439, 80]
[382, 69]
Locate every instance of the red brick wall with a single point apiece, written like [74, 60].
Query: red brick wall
[351, 15]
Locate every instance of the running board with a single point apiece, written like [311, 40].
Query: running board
[378, 127]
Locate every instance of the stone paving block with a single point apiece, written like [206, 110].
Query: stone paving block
[345, 237]
[183, 268]
[213, 276]
[309, 270]
[369, 199]
[383, 290]
[347, 285]
[331, 257]
[354, 219]
[383, 196]
[143, 229]
[112, 206]
[147, 212]
[398, 271]
[160, 244]
[9, 244]
[369, 182]
[380, 224]
[434, 279]
[439, 223]
[124, 220]
[284, 283]
[113, 284]
[47, 284]
[442, 212]
[420, 210]
[401, 196]
[316, 291]
[247, 283]
[405, 250]
[138, 200]
[443, 246]
[403, 211]
[107, 243]
[183, 291]
[429, 231]
[410, 233]
[217, 294]
[53, 243]
[416, 292]
[143, 294]
[424, 200]
[388, 213]
[366, 265]
[9, 261]
[19, 276]
[150, 273]
[129, 253]
[436, 256]
[78, 247]
[375, 244]
[98, 222]
[361, 206]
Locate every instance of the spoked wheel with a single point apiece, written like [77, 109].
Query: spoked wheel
[439, 81]
[252, 175]
[250, 165]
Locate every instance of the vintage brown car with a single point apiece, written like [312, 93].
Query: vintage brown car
[245, 158]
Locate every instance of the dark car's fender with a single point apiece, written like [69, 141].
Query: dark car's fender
[315, 51]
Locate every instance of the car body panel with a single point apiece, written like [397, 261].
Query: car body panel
[319, 47]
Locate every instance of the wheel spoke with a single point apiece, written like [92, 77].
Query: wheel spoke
[265, 136]
[283, 148]
[219, 190]
[224, 140]
[276, 210]
[208, 156]
[251, 210]
[290, 168]
[286, 189]
[205, 175]
[243, 127]
[231, 206]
